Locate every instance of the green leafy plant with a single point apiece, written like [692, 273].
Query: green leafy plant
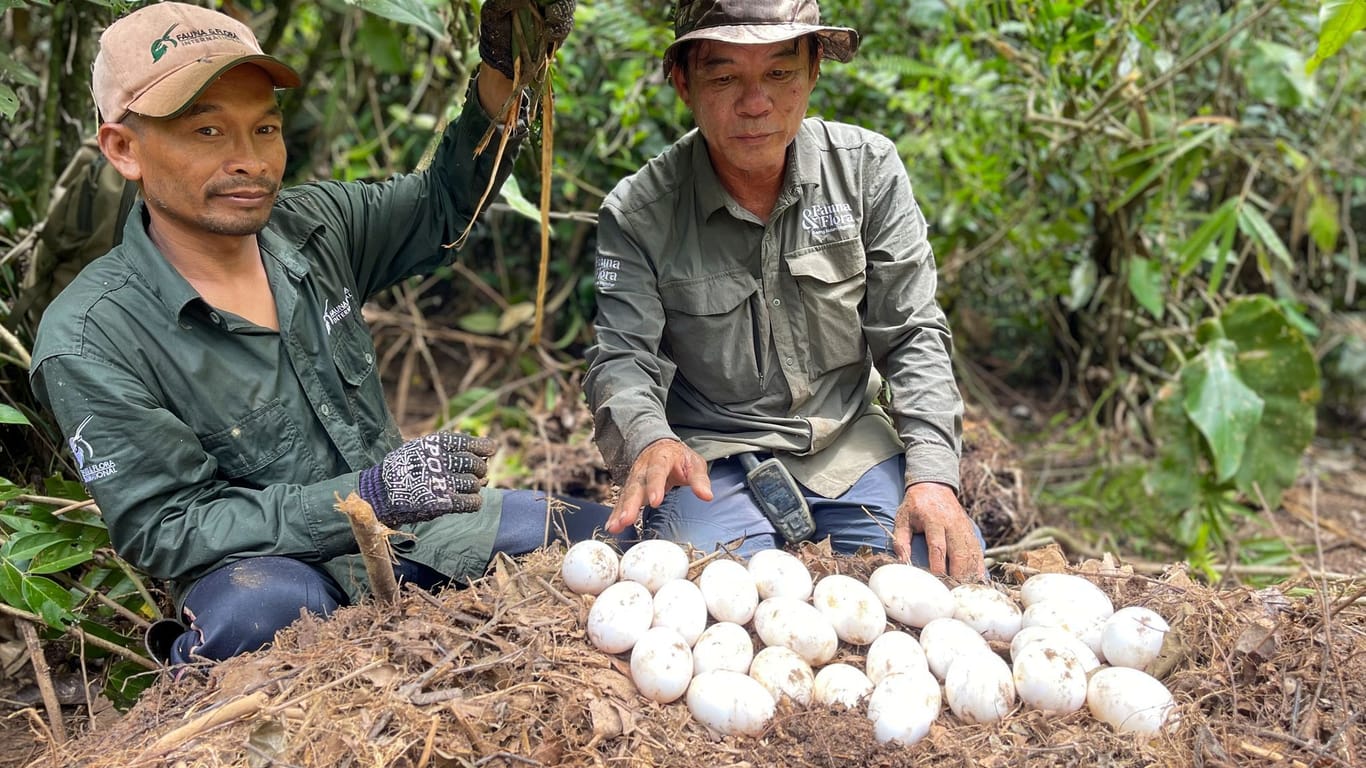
[1232, 426]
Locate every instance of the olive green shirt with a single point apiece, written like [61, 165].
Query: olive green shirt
[732, 334]
[205, 438]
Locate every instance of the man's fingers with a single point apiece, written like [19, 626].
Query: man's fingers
[466, 464]
[627, 509]
[937, 548]
[466, 502]
[459, 442]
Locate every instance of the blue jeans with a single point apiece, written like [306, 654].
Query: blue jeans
[238, 607]
[861, 517]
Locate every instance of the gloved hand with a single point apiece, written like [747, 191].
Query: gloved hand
[501, 42]
[427, 477]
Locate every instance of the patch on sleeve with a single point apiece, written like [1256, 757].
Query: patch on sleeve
[86, 457]
[607, 273]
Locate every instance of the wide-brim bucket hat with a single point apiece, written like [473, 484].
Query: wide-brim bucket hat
[757, 22]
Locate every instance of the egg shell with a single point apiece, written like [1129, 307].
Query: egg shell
[1133, 637]
[906, 691]
[779, 574]
[661, 665]
[654, 562]
[1129, 700]
[723, 646]
[893, 652]
[589, 567]
[910, 595]
[980, 688]
[841, 684]
[853, 609]
[989, 611]
[783, 673]
[946, 639]
[1059, 639]
[1048, 678]
[729, 591]
[1085, 620]
[730, 703]
[797, 625]
[1066, 588]
[619, 616]
[679, 604]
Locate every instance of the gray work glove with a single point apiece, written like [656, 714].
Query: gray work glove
[501, 42]
[427, 477]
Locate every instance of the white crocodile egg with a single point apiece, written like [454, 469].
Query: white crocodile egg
[1066, 588]
[1049, 678]
[654, 562]
[729, 591]
[1133, 637]
[1057, 638]
[945, 639]
[723, 645]
[980, 688]
[779, 574]
[589, 567]
[797, 625]
[992, 613]
[853, 609]
[894, 652]
[679, 604]
[903, 706]
[841, 684]
[1129, 700]
[661, 665]
[1081, 619]
[911, 595]
[619, 616]
[783, 673]
[730, 703]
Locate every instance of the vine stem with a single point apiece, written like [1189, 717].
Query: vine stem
[43, 676]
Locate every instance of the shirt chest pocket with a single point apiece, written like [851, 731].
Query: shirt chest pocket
[253, 450]
[832, 284]
[353, 354]
[710, 334]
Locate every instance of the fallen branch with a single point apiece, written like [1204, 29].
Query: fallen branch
[233, 710]
[43, 676]
[78, 633]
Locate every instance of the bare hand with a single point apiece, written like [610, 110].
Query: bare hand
[661, 467]
[933, 509]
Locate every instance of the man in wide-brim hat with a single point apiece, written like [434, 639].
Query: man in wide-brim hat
[758, 285]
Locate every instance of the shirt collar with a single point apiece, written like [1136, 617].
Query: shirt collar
[174, 291]
[803, 169]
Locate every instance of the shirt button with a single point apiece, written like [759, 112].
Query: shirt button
[236, 431]
[369, 358]
[789, 362]
[215, 318]
[777, 302]
[324, 409]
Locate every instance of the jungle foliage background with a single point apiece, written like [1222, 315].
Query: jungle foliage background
[1147, 216]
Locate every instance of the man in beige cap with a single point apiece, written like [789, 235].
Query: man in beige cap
[213, 375]
[759, 284]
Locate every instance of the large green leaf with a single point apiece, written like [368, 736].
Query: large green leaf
[59, 556]
[1276, 360]
[1220, 405]
[1338, 20]
[11, 415]
[416, 13]
[1145, 283]
[48, 599]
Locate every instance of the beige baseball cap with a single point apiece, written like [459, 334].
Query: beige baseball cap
[158, 59]
[757, 22]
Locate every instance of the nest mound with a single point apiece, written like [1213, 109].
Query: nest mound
[501, 674]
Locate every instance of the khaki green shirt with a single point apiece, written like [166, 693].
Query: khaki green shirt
[732, 334]
[205, 438]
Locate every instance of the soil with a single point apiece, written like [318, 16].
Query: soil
[501, 673]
